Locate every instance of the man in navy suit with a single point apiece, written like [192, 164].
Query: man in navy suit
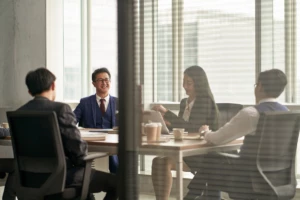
[99, 110]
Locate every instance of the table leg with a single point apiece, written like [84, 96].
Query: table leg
[142, 162]
[179, 177]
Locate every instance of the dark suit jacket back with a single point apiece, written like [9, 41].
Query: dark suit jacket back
[75, 149]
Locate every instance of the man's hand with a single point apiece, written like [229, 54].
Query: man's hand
[203, 129]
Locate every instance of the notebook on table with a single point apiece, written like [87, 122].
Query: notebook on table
[93, 136]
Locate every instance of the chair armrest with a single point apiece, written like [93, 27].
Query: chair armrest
[94, 156]
[87, 172]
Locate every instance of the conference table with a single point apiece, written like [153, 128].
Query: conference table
[171, 148]
[175, 149]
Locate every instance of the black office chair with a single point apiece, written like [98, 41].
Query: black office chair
[268, 170]
[40, 162]
[274, 154]
[227, 111]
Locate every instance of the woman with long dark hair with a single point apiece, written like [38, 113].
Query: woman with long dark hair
[198, 109]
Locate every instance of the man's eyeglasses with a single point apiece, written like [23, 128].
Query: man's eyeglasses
[105, 80]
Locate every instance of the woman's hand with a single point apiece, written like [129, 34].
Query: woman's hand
[167, 123]
[160, 109]
[203, 129]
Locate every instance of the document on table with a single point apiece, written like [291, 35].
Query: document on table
[87, 135]
[186, 137]
[108, 130]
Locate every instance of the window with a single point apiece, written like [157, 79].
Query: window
[224, 46]
[164, 52]
[223, 37]
[103, 44]
[90, 42]
[72, 50]
[230, 39]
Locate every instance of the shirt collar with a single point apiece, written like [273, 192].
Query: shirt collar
[267, 100]
[190, 104]
[98, 98]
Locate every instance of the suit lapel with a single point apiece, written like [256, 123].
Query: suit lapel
[195, 110]
[94, 107]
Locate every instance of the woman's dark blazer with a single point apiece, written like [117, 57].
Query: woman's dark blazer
[204, 112]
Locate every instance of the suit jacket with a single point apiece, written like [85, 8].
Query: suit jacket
[75, 149]
[86, 111]
[204, 112]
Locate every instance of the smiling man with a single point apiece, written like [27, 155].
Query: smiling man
[99, 110]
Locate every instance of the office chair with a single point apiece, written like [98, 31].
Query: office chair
[273, 176]
[275, 158]
[40, 162]
[227, 111]
[268, 170]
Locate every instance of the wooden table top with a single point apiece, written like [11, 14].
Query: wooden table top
[170, 144]
[112, 140]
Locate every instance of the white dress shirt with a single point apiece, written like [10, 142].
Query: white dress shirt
[106, 101]
[243, 123]
[187, 110]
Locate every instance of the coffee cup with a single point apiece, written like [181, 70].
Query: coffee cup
[5, 125]
[178, 133]
[151, 132]
[159, 126]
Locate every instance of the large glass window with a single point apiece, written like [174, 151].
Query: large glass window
[298, 54]
[218, 35]
[164, 51]
[104, 39]
[90, 42]
[72, 50]
[221, 39]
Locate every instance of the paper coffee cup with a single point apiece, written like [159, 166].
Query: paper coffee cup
[5, 125]
[178, 133]
[151, 132]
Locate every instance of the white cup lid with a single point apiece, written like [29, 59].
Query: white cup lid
[178, 129]
[151, 125]
[159, 124]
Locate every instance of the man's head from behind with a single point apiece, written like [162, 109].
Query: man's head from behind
[41, 81]
[270, 84]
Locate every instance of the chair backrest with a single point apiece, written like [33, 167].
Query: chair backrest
[227, 111]
[38, 151]
[278, 133]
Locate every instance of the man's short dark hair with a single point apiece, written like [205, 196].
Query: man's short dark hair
[273, 82]
[99, 71]
[39, 80]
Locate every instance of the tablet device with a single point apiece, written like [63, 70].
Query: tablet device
[155, 116]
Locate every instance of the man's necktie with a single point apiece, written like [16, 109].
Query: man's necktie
[102, 106]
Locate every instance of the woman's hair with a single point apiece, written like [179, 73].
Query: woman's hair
[202, 90]
[201, 84]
